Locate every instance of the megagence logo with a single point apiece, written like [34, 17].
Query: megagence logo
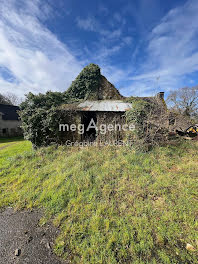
[103, 128]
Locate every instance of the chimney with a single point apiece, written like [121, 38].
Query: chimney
[160, 95]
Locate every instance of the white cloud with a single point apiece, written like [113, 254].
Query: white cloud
[172, 51]
[117, 16]
[113, 73]
[39, 62]
[88, 24]
[111, 35]
[34, 56]
[91, 24]
[109, 43]
[127, 40]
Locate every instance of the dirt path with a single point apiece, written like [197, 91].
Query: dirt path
[20, 234]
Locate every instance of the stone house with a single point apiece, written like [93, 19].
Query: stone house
[106, 110]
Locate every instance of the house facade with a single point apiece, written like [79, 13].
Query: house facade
[10, 124]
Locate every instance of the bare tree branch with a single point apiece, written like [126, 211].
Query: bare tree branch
[10, 98]
[185, 100]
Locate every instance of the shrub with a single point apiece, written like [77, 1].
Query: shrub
[38, 114]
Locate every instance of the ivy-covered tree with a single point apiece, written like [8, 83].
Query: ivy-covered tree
[86, 83]
[36, 114]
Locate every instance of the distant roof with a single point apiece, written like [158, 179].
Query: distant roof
[105, 106]
[9, 112]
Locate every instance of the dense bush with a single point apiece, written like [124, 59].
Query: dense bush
[38, 115]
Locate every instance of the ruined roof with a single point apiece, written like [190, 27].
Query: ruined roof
[112, 105]
[105, 106]
[9, 112]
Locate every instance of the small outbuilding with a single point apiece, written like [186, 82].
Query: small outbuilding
[108, 116]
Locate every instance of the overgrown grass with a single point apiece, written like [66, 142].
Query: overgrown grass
[112, 205]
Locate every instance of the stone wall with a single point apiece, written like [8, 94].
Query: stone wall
[69, 117]
[110, 118]
[103, 118]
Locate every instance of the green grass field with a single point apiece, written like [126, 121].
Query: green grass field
[112, 205]
[10, 147]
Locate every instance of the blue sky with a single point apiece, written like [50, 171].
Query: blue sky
[142, 46]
